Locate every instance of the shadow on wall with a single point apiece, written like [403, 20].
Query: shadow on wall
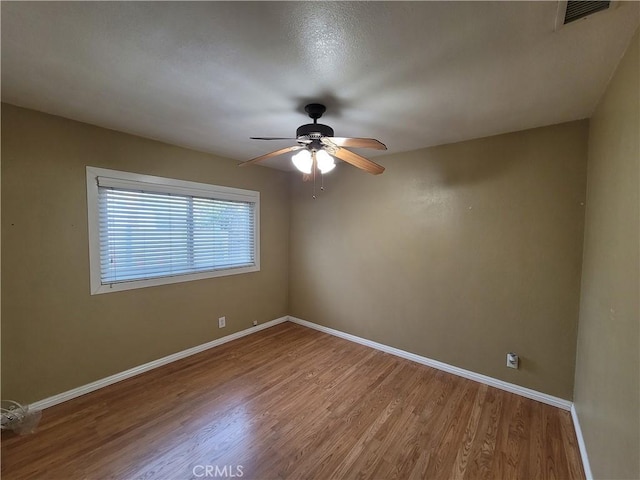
[454, 165]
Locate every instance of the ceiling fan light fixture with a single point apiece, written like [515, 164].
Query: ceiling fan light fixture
[326, 163]
[302, 161]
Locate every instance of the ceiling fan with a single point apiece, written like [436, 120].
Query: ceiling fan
[317, 146]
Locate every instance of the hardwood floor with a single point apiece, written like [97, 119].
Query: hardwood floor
[290, 402]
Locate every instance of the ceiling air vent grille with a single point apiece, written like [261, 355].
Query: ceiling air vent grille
[577, 9]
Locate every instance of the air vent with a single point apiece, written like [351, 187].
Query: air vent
[577, 9]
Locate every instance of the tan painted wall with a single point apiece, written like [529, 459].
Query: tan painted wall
[55, 335]
[460, 253]
[607, 392]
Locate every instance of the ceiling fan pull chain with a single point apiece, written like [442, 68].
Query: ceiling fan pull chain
[314, 175]
[321, 182]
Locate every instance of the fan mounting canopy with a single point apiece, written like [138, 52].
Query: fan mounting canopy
[315, 110]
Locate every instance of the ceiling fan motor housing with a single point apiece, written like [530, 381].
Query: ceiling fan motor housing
[318, 129]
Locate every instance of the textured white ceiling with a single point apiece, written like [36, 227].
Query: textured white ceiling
[208, 75]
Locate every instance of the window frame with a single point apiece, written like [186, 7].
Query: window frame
[160, 185]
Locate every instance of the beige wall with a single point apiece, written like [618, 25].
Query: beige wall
[607, 392]
[55, 335]
[460, 253]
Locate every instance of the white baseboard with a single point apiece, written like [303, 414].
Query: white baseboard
[502, 385]
[509, 387]
[583, 448]
[90, 387]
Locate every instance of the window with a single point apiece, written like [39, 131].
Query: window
[146, 231]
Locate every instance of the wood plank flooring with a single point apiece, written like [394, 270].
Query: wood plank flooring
[290, 402]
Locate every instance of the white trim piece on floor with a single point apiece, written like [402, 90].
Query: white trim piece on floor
[493, 382]
[581, 445]
[132, 372]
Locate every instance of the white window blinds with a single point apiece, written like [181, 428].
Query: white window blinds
[148, 231]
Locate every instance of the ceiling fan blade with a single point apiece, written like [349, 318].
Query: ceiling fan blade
[302, 139]
[359, 161]
[273, 138]
[272, 154]
[355, 142]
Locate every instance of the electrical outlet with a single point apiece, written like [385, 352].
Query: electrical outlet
[512, 360]
[222, 322]
[255, 322]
